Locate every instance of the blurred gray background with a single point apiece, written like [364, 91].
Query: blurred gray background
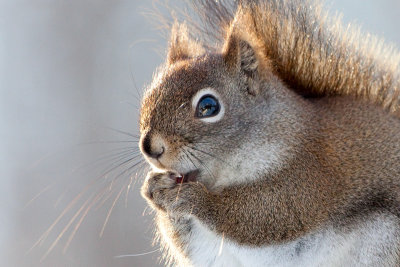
[68, 71]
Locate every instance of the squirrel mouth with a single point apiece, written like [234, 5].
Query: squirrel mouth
[187, 177]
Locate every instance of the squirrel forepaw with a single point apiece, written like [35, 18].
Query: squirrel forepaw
[184, 198]
[154, 187]
[163, 192]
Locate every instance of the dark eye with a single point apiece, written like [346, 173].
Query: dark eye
[208, 106]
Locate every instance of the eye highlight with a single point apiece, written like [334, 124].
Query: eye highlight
[208, 106]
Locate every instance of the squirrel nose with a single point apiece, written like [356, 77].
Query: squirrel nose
[151, 148]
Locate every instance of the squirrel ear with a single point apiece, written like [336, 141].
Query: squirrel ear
[181, 46]
[241, 57]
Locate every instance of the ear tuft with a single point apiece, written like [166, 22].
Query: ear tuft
[241, 57]
[248, 58]
[181, 45]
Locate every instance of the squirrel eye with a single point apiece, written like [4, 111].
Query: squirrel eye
[208, 106]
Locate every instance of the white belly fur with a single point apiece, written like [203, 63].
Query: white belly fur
[373, 242]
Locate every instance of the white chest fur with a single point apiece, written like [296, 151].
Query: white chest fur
[374, 242]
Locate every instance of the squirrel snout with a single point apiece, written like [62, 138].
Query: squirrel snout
[150, 147]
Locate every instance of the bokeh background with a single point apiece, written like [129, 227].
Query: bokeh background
[71, 74]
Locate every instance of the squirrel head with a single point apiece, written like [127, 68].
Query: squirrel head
[218, 118]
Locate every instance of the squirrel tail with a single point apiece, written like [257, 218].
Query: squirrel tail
[314, 54]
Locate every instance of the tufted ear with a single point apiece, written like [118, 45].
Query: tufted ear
[240, 56]
[181, 46]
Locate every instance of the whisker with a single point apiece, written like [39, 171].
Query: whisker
[179, 191]
[120, 160]
[120, 157]
[111, 157]
[60, 198]
[130, 168]
[130, 104]
[105, 196]
[187, 156]
[97, 198]
[105, 142]
[78, 224]
[144, 211]
[139, 96]
[202, 164]
[186, 159]
[69, 206]
[110, 170]
[111, 183]
[136, 164]
[211, 155]
[136, 255]
[65, 229]
[38, 161]
[72, 203]
[127, 190]
[37, 195]
[123, 132]
[130, 183]
[109, 212]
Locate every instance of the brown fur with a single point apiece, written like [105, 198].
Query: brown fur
[313, 53]
[320, 90]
